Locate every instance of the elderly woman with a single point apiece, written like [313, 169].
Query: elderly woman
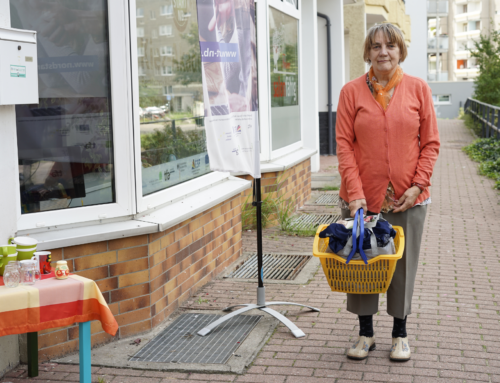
[387, 145]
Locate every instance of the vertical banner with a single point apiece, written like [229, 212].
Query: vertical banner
[229, 69]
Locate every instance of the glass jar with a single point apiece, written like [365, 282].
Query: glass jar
[11, 276]
[29, 272]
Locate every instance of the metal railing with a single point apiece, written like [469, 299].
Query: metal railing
[485, 114]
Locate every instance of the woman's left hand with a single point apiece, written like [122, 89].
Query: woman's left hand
[407, 200]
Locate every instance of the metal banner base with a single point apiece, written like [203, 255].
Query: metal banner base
[261, 290]
[261, 305]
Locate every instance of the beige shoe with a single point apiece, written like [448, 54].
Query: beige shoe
[400, 350]
[359, 350]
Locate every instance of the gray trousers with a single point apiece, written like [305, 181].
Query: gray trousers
[400, 291]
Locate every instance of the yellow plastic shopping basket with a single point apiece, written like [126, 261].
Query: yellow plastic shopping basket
[357, 277]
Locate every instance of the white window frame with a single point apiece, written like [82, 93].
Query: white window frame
[164, 70]
[139, 14]
[123, 166]
[142, 32]
[267, 132]
[141, 51]
[437, 102]
[149, 203]
[166, 48]
[167, 27]
[169, 7]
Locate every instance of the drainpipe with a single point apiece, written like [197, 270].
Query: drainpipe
[331, 133]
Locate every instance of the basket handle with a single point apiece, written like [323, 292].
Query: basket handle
[358, 228]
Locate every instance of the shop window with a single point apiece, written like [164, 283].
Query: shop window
[65, 143]
[173, 143]
[284, 64]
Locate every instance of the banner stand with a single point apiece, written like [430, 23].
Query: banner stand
[261, 290]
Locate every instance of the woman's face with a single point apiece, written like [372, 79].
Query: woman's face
[384, 55]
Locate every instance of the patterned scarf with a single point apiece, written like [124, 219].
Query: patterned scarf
[382, 94]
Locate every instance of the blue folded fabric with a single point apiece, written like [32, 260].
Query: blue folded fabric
[338, 235]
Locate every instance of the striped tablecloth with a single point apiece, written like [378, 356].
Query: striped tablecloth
[53, 303]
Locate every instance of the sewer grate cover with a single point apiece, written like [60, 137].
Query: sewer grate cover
[179, 343]
[306, 221]
[276, 266]
[327, 199]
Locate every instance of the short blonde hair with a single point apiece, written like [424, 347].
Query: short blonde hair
[393, 35]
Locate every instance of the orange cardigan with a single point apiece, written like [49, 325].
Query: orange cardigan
[374, 147]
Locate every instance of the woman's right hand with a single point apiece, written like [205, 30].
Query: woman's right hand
[355, 205]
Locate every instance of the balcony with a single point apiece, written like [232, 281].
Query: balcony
[467, 35]
[440, 43]
[461, 17]
[437, 8]
[432, 75]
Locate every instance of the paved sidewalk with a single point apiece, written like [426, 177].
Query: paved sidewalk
[456, 318]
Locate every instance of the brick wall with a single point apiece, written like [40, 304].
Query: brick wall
[145, 278]
[293, 184]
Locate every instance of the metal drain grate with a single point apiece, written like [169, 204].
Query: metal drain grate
[276, 266]
[306, 221]
[327, 199]
[179, 343]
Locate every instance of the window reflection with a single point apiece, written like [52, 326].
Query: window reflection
[65, 142]
[173, 143]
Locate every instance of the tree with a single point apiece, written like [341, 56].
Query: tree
[487, 54]
[188, 68]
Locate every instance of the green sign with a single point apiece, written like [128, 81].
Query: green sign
[17, 71]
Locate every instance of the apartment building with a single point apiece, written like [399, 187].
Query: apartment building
[453, 26]
[361, 15]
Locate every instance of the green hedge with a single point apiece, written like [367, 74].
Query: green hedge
[486, 151]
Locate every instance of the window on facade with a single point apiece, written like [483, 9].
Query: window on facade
[166, 10]
[441, 99]
[461, 64]
[154, 34]
[140, 32]
[173, 143]
[140, 12]
[166, 50]
[464, 28]
[165, 30]
[293, 3]
[152, 15]
[65, 143]
[464, 8]
[285, 109]
[140, 51]
[166, 70]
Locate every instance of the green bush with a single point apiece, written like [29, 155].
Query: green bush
[487, 54]
[486, 151]
[475, 127]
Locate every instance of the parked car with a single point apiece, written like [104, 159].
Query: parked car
[142, 112]
[165, 108]
[154, 112]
